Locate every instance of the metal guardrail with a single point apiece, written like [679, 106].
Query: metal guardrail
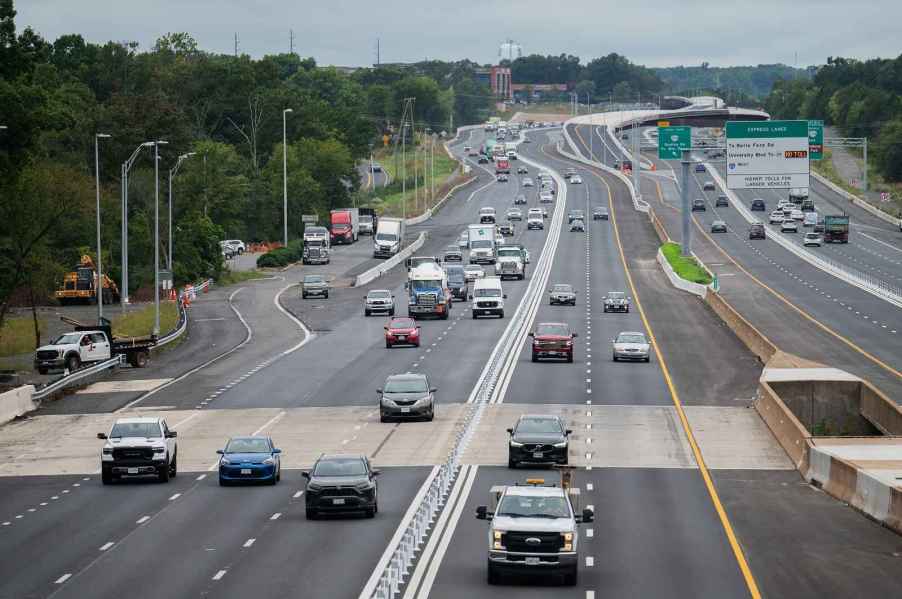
[76, 377]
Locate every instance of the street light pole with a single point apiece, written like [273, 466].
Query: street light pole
[98, 289]
[285, 176]
[126, 166]
[156, 237]
[172, 172]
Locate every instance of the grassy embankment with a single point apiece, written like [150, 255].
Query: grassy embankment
[392, 200]
[685, 267]
[876, 182]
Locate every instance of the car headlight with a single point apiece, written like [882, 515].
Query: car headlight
[568, 344]
[225, 461]
[269, 461]
[567, 538]
[313, 487]
[515, 443]
[365, 486]
[496, 539]
[561, 444]
[159, 449]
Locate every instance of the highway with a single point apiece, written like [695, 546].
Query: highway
[788, 285]
[307, 373]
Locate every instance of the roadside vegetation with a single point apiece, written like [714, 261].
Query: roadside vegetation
[140, 322]
[686, 267]
[17, 336]
[233, 277]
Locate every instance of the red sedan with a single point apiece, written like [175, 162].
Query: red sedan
[402, 331]
[552, 340]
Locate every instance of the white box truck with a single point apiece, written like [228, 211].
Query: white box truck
[388, 238]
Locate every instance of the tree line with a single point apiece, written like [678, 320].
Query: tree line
[860, 98]
[227, 110]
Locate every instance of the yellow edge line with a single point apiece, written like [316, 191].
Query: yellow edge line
[678, 404]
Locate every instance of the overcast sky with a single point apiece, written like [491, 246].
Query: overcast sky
[341, 32]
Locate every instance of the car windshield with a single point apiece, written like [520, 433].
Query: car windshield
[616, 295]
[403, 323]
[630, 338]
[481, 243]
[380, 294]
[560, 330]
[523, 506]
[487, 292]
[512, 252]
[562, 288]
[386, 237]
[429, 284]
[340, 467]
[313, 279]
[136, 429]
[405, 385]
[248, 446]
[538, 425]
[67, 339]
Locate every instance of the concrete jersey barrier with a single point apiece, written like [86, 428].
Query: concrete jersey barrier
[380, 269]
[863, 204]
[678, 281]
[16, 402]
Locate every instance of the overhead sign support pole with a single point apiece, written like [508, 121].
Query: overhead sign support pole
[686, 248]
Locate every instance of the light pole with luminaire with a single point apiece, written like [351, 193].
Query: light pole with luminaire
[156, 236]
[126, 166]
[285, 176]
[99, 285]
[172, 172]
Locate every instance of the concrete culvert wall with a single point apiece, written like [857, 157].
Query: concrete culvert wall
[826, 408]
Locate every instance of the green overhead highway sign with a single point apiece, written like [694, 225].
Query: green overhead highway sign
[815, 140]
[767, 154]
[672, 141]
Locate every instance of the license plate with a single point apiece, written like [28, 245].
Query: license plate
[537, 454]
[245, 471]
[405, 410]
[133, 471]
[532, 561]
[402, 337]
[338, 502]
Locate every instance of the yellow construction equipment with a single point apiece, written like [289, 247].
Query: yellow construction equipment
[80, 285]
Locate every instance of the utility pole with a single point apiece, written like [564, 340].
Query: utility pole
[99, 285]
[172, 172]
[406, 113]
[684, 206]
[156, 237]
[433, 169]
[285, 178]
[378, 53]
[591, 135]
[638, 157]
[291, 41]
[236, 44]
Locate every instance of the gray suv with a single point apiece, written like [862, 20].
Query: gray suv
[341, 483]
[406, 396]
[314, 285]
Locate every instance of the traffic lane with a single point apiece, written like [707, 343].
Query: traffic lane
[841, 205]
[213, 328]
[202, 530]
[86, 518]
[598, 378]
[835, 551]
[856, 314]
[853, 255]
[655, 534]
[337, 352]
[779, 321]
[335, 555]
[708, 363]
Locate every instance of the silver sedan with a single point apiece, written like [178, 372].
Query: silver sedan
[631, 345]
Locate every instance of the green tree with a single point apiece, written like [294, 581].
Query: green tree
[888, 150]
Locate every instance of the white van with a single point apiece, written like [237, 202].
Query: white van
[487, 297]
[810, 219]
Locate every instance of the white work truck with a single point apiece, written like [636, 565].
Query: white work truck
[70, 350]
[534, 530]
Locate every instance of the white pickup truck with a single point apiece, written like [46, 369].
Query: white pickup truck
[70, 350]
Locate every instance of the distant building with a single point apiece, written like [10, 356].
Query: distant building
[498, 79]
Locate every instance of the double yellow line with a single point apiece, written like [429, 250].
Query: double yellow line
[678, 404]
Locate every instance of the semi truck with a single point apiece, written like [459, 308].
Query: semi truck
[388, 238]
[836, 228]
[482, 243]
[427, 291]
[502, 165]
[316, 245]
[80, 285]
[345, 225]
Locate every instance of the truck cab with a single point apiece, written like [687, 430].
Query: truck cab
[487, 215]
[534, 528]
[345, 225]
[388, 238]
[487, 298]
[70, 350]
[316, 245]
[427, 291]
[510, 261]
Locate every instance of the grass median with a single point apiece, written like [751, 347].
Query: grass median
[140, 322]
[686, 267]
[392, 200]
[233, 277]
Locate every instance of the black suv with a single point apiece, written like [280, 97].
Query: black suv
[341, 483]
[722, 202]
[698, 205]
[757, 231]
[538, 439]
[758, 205]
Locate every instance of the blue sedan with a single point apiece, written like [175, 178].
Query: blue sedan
[249, 459]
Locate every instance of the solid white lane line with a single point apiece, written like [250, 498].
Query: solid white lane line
[106, 546]
[249, 542]
[219, 575]
[63, 578]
